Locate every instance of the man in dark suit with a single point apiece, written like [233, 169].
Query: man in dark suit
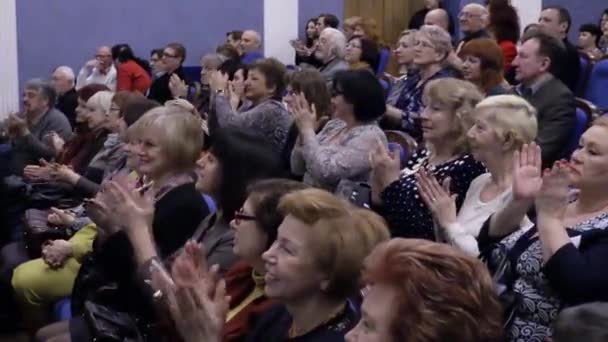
[556, 21]
[534, 67]
[171, 62]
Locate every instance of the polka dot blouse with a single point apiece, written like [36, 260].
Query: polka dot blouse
[404, 210]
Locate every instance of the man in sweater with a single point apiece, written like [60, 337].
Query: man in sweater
[32, 132]
[330, 51]
[63, 81]
[474, 19]
[556, 21]
[554, 102]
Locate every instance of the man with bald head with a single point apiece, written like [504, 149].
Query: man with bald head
[250, 44]
[438, 17]
[474, 20]
[99, 70]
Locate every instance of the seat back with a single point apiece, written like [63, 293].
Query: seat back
[582, 122]
[586, 66]
[385, 55]
[192, 74]
[597, 86]
[407, 144]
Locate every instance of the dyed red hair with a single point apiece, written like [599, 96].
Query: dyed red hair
[442, 294]
[492, 61]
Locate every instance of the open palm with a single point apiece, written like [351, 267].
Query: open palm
[527, 177]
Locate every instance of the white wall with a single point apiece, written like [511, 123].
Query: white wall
[528, 11]
[9, 79]
[280, 26]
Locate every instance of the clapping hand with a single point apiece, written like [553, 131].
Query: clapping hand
[552, 198]
[17, 125]
[61, 218]
[385, 169]
[218, 81]
[131, 209]
[437, 198]
[304, 114]
[38, 172]
[56, 252]
[527, 179]
[198, 303]
[178, 87]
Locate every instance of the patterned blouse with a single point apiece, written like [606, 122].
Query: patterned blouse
[404, 210]
[410, 101]
[331, 163]
[268, 118]
[575, 274]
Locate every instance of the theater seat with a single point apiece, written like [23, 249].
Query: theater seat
[598, 84]
[586, 66]
[210, 204]
[385, 55]
[62, 310]
[582, 122]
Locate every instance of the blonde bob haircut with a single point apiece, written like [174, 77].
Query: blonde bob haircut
[511, 117]
[459, 98]
[101, 100]
[179, 134]
[340, 236]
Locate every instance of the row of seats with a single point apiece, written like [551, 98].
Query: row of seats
[593, 84]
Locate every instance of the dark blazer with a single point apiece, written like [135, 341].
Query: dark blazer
[67, 104]
[556, 109]
[159, 90]
[569, 66]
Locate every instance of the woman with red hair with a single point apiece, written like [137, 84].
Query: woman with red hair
[425, 291]
[482, 65]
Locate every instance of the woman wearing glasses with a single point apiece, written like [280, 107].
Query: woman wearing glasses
[338, 155]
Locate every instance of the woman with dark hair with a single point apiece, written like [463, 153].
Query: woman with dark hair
[482, 64]
[312, 85]
[264, 114]
[133, 73]
[362, 53]
[338, 156]
[504, 25]
[305, 50]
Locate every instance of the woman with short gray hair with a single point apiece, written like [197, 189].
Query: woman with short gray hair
[432, 46]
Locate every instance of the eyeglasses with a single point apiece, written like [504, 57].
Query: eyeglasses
[103, 56]
[168, 55]
[354, 46]
[241, 216]
[466, 15]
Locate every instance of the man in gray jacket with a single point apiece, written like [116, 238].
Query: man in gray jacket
[330, 51]
[534, 67]
[32, 131]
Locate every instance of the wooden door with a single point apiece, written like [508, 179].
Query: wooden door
[392, 17]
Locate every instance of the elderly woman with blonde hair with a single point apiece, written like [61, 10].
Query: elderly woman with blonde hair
[503, 125]
[432, 47]
[446, 119]
[312, 269]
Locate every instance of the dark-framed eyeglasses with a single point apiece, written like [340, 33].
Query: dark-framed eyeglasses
[241, 216]
[168, 55]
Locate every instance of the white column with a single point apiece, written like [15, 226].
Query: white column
[528, 10]
[280, 26]
[9, 71]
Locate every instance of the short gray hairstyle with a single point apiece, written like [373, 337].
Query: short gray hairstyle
[439, 37]
[43, 88]
[215, 58]
[67, 72]
[585, 322]
[337, 41]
